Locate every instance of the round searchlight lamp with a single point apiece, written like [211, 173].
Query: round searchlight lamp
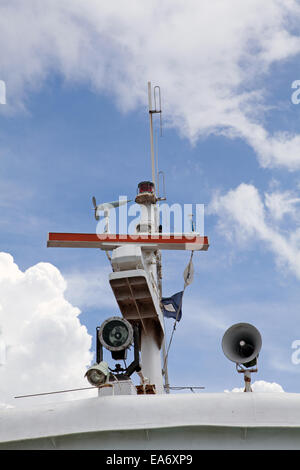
[116, 334]
[98, 374]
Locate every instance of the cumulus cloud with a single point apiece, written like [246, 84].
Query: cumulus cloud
[211, 59]
[246, 218]
[46, 346]
[260, 386]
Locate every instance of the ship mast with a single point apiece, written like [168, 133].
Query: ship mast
[136, 278]
[156, 215]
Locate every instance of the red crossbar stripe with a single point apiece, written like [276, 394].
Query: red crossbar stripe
[149, 238]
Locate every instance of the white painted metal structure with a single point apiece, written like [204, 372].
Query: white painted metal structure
[138, 296]
[179, 421]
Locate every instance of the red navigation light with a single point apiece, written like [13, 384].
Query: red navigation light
[145, 187]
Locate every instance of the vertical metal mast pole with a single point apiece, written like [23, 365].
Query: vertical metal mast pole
[158, 258]
[151, 135]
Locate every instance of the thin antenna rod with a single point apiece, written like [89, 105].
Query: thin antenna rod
[157, 88]
[156, 161]
[151, 134]
[51, 393]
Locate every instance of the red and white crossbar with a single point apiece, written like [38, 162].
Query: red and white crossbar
[108, 241]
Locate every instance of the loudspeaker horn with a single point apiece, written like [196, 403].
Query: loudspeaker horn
[242, 343]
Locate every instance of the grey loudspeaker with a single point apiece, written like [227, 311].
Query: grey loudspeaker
[242, 343]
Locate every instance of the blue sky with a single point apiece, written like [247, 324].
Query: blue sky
[76, 127]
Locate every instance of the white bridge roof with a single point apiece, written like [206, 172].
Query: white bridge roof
[134, 412]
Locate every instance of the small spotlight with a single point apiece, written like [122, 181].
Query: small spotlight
[98, 374]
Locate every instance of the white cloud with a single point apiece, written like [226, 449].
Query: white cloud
[243, 216]
[281, 203]
[89, 288]
[210, 58]
[2, 92]
[47, 348]
[278, 150]
[260, 386]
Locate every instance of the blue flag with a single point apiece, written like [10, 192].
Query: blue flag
[171, 306]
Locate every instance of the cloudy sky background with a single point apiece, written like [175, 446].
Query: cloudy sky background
[75, 125]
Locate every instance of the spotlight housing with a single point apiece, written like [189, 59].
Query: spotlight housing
[116, 335]
[98, 374]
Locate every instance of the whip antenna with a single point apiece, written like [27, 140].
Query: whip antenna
[156, 110]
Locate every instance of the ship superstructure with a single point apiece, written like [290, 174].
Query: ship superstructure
[147, 416]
